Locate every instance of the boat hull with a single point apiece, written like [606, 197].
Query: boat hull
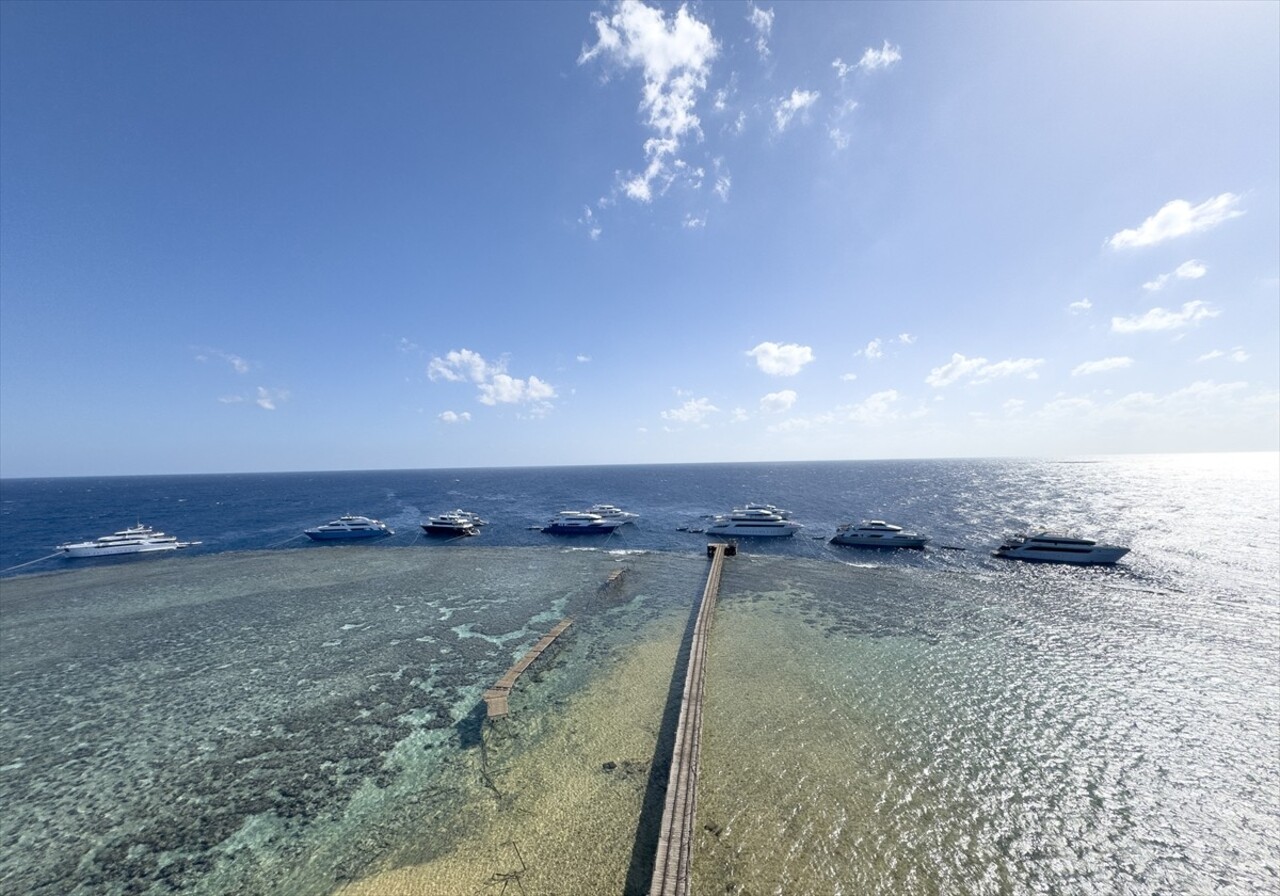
[899, 541]
[603, 529]
[89, 550]
[1099, 556]
[345, 536]
[449, 530]
[752, 531]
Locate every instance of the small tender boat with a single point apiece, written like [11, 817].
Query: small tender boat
[611, 512]
[754, 521]
[580, 522]
[877, 534]
[453, 523]
[349, 527]
[1049, 548]
[137, 539]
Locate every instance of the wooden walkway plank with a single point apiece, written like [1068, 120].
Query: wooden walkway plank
[495, 698]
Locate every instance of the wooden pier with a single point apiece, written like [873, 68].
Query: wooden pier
[495, 698]
[675, 840]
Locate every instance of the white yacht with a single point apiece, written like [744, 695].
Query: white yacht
[137, 539]
[349, 527]
[611, 512]
[1049, 548]
[754, 521]
[877, 534]
[580, 522]
[455, 522]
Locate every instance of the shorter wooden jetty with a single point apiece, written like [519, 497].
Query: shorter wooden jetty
[495, 698]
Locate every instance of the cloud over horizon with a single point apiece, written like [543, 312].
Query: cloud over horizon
[1159, 319]
[980, 370]
[493, 384]
[1178, 218]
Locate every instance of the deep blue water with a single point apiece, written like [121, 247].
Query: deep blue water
[960, 503]
[260, 714]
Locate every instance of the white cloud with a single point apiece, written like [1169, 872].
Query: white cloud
[452, 417]
[980, 370]
[1203, 405]
[848, 377]
[1102, 366]
[723, 183]
[873, 59]
[906, 338]
[954, 369]
[873, 350]
[460, 365]
[786, 109]
[268, 398]
[694, 223]
[1178, 218]
[588, 220]
[1159, 319]
[777, 402]
[1191, 270]
[838, 137]
[1014, 406]
[584, 359]
[1188, 270]
[675, 59]
[762, 21]
[1082, 305]
[494, 384]
[1239, 355]
[842, 69]
[695, 410]
[504, 389]
[781, 360]
[237, 363]
[876, 408]
[1020, 367]
[231, 399]
[739, 415]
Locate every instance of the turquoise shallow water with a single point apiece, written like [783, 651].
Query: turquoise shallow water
[284, 721]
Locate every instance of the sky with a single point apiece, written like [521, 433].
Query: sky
[242, 237]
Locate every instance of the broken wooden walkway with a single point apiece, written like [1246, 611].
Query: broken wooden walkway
[495, 698]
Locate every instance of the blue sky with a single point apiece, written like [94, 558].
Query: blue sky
[296, 236]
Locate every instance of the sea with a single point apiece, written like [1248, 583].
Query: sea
[261, 714]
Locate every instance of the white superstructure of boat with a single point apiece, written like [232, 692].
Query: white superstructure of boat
[474, 518]
[580, 522]
[454, 522]
[611, 512]
[876, 534]
[754, 521]
[137, 539]
[1049, 548]
[349, 527]
[768, 508]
